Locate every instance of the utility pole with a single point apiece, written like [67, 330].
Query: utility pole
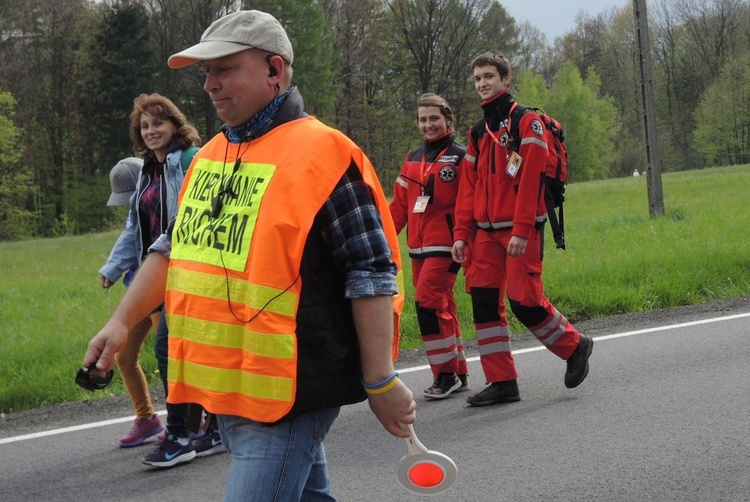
[650, 143]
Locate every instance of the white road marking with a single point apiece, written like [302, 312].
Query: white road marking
[404, 370]
[603, 337]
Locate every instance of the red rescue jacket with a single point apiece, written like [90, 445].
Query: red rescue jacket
[489, 197]
[429, 170]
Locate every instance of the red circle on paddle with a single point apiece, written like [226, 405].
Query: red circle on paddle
[426, 474]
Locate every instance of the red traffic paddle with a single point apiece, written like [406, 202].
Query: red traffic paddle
[424, 471]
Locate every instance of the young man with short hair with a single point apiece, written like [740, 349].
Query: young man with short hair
[500, 215]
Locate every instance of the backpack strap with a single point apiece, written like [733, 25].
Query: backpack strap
[187, 157]
[557, 225]
[514, 118]
[474, 134]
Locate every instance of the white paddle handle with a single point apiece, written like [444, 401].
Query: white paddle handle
[414, 446]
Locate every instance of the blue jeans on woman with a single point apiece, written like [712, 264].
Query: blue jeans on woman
[278, 462]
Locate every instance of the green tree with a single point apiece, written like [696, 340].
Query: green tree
[722, 133]
[616, 65]
[175, 25]
[16, 187]
[122, 69]
[315, 63]
[386, 101]
[694, 39]
[529, 87]
[532, 50]
[368, 108]
[353, 24]
[497, 29]
[441, 38]
[48, 76]
[588, 120]
[582, 46]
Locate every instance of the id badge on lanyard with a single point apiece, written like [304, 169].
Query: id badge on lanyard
[514, 164]
[514, 160]
[420, 206]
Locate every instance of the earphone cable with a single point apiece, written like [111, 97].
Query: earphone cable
[220, 194]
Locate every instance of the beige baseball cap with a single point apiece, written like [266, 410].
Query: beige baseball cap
[236, 32]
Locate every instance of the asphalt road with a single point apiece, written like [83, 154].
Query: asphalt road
[663, 416]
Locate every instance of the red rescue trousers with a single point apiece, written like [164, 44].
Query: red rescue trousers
[433, 280]
[491, 275]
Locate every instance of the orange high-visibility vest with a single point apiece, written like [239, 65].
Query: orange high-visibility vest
[243, 264]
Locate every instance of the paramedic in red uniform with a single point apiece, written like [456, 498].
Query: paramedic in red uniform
[424, 198]
[501, 207]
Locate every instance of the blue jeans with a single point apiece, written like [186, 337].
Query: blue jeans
[281, 462]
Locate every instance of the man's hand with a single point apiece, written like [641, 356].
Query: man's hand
[397, 406]
[143, 296]
[103, 347]
[373, 317]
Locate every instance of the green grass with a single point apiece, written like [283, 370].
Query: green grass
[51, 304]
[618, 260]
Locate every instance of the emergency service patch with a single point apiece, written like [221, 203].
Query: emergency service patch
[504, 139]
[537, 128]
[447, 174]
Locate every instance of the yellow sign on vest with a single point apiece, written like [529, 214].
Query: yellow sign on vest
[223, 239]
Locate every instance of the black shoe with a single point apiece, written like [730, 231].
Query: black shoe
[464, 383]
[578, 363]
[442, 387]
[171, 452]
[496, 393]
[209, 444]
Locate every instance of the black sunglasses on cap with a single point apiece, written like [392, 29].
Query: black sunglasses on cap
[87, 380]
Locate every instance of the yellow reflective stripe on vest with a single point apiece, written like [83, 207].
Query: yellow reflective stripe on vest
[232, 336]
[230, 381]
[215, 286]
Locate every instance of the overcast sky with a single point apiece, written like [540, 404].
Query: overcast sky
[556, 17]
